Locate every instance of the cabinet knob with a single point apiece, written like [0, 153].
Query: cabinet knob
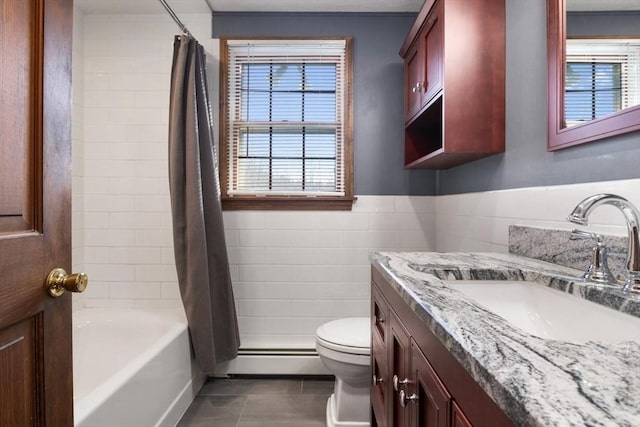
[404, 399]
[417, 87]
[376, 380]
[379, 320]
[397, 382]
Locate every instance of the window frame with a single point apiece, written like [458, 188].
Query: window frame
[287, 202]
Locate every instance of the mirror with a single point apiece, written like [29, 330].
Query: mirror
[593, 51]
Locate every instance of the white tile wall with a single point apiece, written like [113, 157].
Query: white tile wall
[122, 232]
[297, 270]
[480, 221]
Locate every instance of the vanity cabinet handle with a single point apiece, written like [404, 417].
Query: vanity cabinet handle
[404, 399]
[397, 382]
[376, 380]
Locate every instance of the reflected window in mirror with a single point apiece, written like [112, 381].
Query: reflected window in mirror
[602, 77]
[594, 73]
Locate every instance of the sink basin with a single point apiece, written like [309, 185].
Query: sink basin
[549, 313]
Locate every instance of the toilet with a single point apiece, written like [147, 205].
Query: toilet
[344, 346]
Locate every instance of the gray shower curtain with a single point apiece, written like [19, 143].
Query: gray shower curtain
[198, 232]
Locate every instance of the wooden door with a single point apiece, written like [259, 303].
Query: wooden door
[432, 401]
[35, 211]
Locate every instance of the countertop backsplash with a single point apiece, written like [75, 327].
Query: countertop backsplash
[555, 246]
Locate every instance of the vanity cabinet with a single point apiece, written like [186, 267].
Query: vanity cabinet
[416, 381]
[454, 70]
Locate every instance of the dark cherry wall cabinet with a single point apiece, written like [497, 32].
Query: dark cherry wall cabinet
[416, 381]
[454, 68]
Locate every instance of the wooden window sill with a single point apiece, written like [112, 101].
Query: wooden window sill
[282, 203]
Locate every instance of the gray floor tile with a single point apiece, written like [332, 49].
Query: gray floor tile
[259, 403]
[317, 387]
[251, 386]
[269, 423]
[221, 411]
[284, 410]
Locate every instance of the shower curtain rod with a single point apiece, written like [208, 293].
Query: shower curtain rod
[177, 20]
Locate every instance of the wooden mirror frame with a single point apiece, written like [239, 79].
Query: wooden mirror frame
[560, 136]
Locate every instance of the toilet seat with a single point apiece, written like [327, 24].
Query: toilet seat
[358, 351]
[350, 335]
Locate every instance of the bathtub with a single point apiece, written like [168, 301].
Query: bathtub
[131, 368]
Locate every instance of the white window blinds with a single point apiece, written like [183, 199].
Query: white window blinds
[602, 77]
[285, 117]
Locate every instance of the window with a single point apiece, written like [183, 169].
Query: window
[286, 124]
[593, 90]
[602, 77]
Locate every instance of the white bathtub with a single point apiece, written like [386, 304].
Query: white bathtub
[131, 368]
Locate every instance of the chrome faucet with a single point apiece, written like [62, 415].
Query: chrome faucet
[632, 217]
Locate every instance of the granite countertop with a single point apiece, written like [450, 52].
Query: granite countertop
[536, 381]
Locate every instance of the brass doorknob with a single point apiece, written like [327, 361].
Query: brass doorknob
[59, 281]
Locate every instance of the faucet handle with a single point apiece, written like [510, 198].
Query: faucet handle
[582, 234]
[598, 271]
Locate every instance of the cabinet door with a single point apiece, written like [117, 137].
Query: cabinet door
[381, 381]
[431, 401]
[431, 41]
[413, 77]
[423, 64]
[380, 389]
[458, 419]
[399, 362]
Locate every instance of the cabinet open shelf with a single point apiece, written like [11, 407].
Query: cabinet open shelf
[423, 135]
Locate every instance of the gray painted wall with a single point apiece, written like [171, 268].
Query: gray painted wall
[526, 162]
[603, 23]
[378, 88]
[378, 121]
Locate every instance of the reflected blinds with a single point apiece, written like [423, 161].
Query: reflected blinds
[285, 117]
[602, 77]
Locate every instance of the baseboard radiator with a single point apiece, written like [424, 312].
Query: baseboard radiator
[274, 362]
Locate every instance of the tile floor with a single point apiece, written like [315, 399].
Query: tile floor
[240, 402]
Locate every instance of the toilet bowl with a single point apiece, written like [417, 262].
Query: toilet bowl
[344, 346]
